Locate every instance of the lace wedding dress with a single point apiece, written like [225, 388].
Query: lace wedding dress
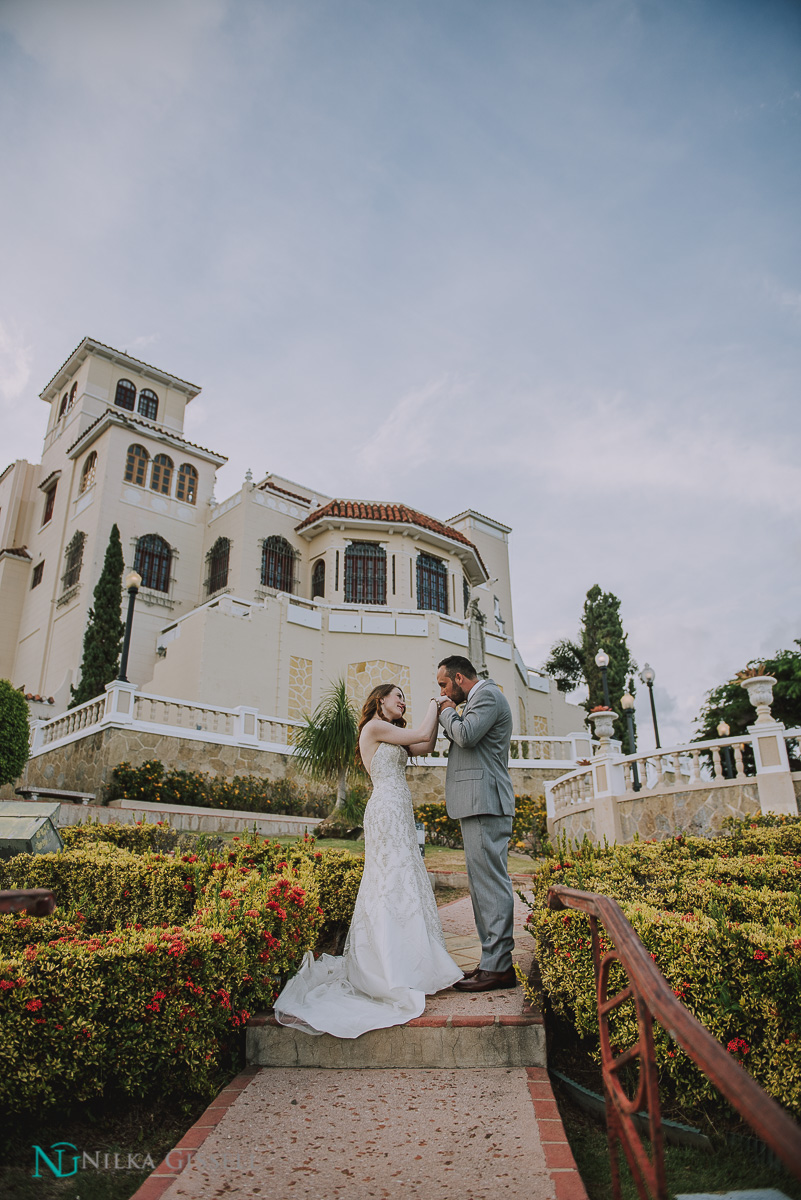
[395, 950]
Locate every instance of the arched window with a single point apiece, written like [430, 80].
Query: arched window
[88, 474]
[186, 488]
[148, 404]
[136, 465]
[432, 583]
[365, 574]
[278, 564]
[217, 558]
[161, 475]
[153, 561]
[125, 396]
[318, 578]
[73, 560]
[73, 391]
[63, 406]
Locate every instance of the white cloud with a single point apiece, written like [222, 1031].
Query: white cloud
[409, 435]
[116, 49]
[15, 363]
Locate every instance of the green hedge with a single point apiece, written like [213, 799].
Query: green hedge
[529, 827]
[102, 886]
[134, 1008]
[721, 919]
[250, 793]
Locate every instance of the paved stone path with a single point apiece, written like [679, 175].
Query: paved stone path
[308, 1133]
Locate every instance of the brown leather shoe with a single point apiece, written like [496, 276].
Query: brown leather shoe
[471, 974]
[487, 981]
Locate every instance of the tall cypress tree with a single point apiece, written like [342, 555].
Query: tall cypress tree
[104, 629]
[571, 663]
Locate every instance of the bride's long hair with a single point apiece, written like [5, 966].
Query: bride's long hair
[373, 708]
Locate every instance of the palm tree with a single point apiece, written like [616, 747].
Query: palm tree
[325, 747]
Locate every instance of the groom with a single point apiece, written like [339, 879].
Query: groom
[479, 791]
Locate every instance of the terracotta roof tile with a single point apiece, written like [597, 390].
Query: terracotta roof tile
[284, 492]
[17, 552]
[362, 510]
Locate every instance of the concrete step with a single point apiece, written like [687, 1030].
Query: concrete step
[460, 1040]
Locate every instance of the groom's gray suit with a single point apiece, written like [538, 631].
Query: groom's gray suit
[478, 790]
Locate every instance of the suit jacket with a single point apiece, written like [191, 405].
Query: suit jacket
[477, 778]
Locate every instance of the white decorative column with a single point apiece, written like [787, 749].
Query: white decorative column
[246, 725]
[775, 784]
[37, 736]
[119, 702]
[607, 778]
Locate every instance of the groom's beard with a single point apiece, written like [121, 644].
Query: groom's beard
[457, 695]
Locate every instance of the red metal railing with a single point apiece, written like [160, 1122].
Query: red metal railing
[654, 1000]
[39, 902]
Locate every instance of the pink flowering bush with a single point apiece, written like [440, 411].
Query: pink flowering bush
[158, 999]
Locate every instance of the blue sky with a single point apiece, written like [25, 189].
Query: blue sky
[537, 258]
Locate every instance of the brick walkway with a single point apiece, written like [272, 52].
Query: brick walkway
[310, 1133]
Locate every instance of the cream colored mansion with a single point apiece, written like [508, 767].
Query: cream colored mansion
[261, 600]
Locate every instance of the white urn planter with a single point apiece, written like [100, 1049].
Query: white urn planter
[760, 693]
[604, 727]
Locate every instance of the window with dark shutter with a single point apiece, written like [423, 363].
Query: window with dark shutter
[153, 561]
[278, 564]
[365, 574]
[318, 579]
[125, 395]
[217, 559]
[432, 583]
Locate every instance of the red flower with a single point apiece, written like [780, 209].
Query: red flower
[33, 1005]
[6, 984]
[738, 1046]
[226, 894]
[150, 948]
[218, 937]
[760, 956]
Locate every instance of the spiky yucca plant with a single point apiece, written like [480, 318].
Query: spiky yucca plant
[325, 746]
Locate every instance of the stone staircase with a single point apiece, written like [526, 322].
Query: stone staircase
[457, 1030]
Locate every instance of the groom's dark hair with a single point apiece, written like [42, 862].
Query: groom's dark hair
[456, 664]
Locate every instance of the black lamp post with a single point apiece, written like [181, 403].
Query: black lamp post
[648, 675]
[627, 704]
[728, 758]
[133, 581]
[602, 661]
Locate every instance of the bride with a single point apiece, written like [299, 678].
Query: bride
[395, 950]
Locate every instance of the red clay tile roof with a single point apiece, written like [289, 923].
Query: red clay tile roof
[17, 552]
[268, 483]
[379, 511]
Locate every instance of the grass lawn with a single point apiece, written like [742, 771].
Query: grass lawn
[437, 858]
[688, 1168]
[128, 1128]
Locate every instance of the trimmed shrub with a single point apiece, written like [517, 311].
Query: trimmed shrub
[110, 887]
[138, 838]
[148, 1009]
[14, 732]
[724, 928]
[529, 826]
[250, 793]
[90, 1010]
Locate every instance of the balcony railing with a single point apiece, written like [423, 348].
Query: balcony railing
[653, 999]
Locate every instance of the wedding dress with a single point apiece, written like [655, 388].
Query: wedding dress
[395, 950]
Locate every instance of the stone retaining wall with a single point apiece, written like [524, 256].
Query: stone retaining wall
[697, 811]
[85, 765]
